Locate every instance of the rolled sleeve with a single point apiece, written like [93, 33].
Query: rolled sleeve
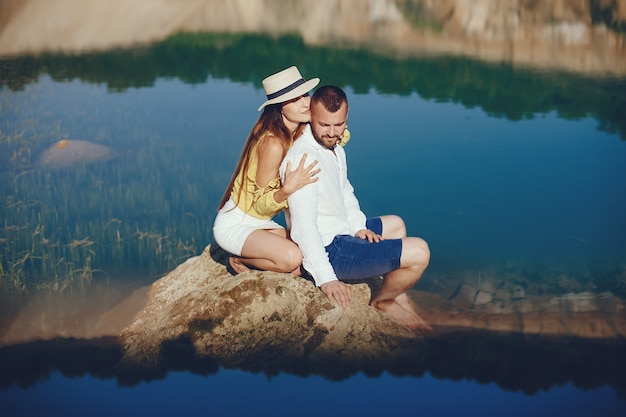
[263, 200]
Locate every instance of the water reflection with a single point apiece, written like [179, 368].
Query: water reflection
[512, 361]
[500, 89]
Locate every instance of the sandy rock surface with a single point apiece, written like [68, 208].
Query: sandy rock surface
[242, 319]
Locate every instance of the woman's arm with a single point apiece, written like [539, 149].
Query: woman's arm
[270, 154]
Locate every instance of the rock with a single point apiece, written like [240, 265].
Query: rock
[585, 315]
[260, 319]
[483, 297]
[66, 153]
[517, 292]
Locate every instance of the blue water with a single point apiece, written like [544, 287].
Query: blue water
[542, 193]
[480, 189]
[486, 190]
[238, 393]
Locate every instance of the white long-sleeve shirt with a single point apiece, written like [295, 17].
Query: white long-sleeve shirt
[324, 209]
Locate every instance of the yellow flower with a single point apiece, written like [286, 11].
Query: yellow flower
[345, 138]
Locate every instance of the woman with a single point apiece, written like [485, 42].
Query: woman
[244, 225]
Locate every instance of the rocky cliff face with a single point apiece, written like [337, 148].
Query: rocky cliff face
[576, 35]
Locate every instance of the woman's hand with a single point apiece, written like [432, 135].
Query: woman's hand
[301, 176]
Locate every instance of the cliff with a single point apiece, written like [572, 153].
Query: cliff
[576, 35]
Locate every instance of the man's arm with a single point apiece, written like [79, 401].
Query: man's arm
[356, 217]
[304, 230]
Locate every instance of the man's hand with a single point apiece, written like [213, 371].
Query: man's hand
[369, 235]
[337, 291]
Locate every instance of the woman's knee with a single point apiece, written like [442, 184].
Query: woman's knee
[289, 259]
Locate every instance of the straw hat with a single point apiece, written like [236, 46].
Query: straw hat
[285, 85]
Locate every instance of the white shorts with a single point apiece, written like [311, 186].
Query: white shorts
[232, 227]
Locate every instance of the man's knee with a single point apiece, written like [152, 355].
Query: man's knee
[415, 252]
[393, 227]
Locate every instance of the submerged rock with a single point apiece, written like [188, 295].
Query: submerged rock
[261, 320]
[66, 153]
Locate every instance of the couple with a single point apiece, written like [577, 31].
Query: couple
[292, 159]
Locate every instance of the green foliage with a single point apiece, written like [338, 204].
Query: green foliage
[499, 89]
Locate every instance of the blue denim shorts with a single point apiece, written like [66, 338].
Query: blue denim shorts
[353, 258]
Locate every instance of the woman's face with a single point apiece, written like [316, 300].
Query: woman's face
[297, 111]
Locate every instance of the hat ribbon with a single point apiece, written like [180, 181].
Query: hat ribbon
[286, 89]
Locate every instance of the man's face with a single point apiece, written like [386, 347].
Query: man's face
[328, 127]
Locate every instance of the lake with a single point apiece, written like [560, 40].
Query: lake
[514, 175]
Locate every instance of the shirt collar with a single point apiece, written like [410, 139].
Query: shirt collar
[308, 133]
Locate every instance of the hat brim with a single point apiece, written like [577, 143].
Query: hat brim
[296, 92]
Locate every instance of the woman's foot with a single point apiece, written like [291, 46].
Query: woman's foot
[236, 265]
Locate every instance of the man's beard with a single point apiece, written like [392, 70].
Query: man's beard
[321, 141]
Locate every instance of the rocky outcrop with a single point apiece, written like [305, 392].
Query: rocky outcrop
[502, 304]
[585, 315]
[254, 317]
[200, 318]
[576, 35]
[283, 321]
[66, 153]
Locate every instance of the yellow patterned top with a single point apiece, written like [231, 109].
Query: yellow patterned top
[256, 201]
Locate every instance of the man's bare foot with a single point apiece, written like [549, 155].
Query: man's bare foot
[400, 314]
[237, 265]
[406, 303]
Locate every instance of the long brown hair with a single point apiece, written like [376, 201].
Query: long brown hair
[271, 121]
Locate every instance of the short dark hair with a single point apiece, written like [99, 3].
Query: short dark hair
[331, 97]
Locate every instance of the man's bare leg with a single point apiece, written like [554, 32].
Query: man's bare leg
[399, 308]
[406, 303]
[391, 298]
[394, 228]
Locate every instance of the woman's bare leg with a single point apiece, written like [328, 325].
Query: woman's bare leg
[269, 250]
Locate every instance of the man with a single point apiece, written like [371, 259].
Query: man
[337, 242]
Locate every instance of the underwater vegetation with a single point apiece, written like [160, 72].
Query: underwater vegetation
[69, 218]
